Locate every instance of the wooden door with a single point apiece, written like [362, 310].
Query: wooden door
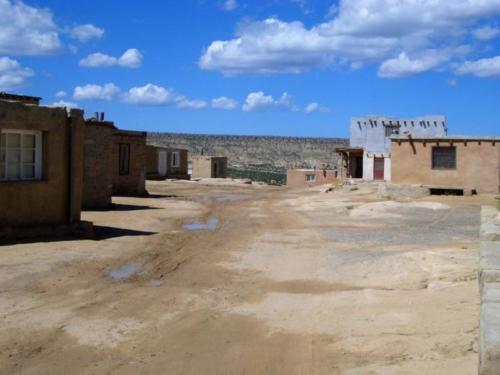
[378, 169]
[162, 163]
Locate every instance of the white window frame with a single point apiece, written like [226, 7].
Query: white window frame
[38, 154]
[310, 177]
[177, 163]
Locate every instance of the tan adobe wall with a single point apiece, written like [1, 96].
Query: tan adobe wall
[134, 183]
[151, 161]
[98, 164]
[297, 177]
[47, 201]
[204, 167]
[477, 165]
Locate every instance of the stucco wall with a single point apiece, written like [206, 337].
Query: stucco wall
[134, 183]
[98, 164]
[203, 167]
[369, 132]
[477, 165]
[180, 172]
[47, 201]
[297, 177]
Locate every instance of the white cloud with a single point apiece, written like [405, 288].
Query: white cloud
[315, 107]
[363, 31]
[61, 94]
[12, 74]
[451, 82]
[224, 103]
[260, 102]
[132, 58]
[150, 95]
[86, 32]
[489, 67]
[230, 5]
[486, 33]
[27, 30]
[403, 65]
[62, 103]
[109, 91]
[195, 104]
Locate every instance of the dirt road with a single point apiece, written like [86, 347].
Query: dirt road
[248, 280]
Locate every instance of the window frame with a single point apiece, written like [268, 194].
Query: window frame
[176, 155]
[38, 149]
[435, 167]
[312, 179]
[123, 171]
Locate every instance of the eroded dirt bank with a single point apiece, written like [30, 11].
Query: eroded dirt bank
[248, 280]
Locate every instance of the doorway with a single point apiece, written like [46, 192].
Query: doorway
[378, 169]
[162, 163]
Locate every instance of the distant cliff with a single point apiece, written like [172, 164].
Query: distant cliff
[242, 151]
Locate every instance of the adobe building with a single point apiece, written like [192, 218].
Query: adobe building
[447, 163]
[98, 138]
[41, 168]
[302, 178]
[163, 163]
[129, 163]
[368, 156]
[209, 166]
[25, 99]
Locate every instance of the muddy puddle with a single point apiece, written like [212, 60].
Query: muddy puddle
[211, 224]
[124, 272]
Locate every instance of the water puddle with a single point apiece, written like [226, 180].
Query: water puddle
[124, 272]
[211, 224]
[153, 283]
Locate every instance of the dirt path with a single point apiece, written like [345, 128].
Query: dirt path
[248, 280]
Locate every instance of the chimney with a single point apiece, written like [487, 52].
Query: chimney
[102, 117]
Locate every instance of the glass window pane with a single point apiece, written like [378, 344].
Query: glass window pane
[29, 141]
[13, 171]
[2, 171]
[3, 140]
[28, 156]
[13, 140]
[13, 156]
[28, 171]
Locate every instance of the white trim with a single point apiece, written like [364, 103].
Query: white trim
[38, 153]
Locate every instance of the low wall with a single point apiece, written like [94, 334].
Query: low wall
[297, 177]
[489, 283]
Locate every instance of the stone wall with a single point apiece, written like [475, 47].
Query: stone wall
[280, 152]
[132, 183]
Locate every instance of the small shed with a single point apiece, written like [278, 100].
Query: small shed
[163, 163]
[209, 166]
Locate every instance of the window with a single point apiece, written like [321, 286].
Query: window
[124, 159]
[391, 130]
[20, 155]
[444, 158]
[310, 178]
[175, 159]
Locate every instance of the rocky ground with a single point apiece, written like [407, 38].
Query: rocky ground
[213, 278]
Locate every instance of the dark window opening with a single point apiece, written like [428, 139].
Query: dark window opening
[124, 159]
[444, 158]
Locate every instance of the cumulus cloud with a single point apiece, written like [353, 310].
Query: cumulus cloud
[191, 104]
[12, 74]
[488, 67]
[230, 5]
[403, 65]
[109, 91]
[260, 102]
[150, 94]
[486, 33]
[62, 103]
[27, 30]
[132, 58]
[61, 94]
[361, 32]
[86, 32]
[316, 107]
[224, 103]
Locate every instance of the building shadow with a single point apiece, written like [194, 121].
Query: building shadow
[162, 196]
[123, 207]
[104, 233]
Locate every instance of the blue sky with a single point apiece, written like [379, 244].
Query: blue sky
[282, 67]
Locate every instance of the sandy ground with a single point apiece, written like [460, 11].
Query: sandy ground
[203, 278]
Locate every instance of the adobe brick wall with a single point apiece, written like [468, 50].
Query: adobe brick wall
[49, 200]
[180, 172]
[98, 164]
[297, 177]
[204, 167]
[133, 184]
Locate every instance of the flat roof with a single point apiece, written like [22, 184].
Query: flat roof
[6, 95]
[447, 138]
[349, 149]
